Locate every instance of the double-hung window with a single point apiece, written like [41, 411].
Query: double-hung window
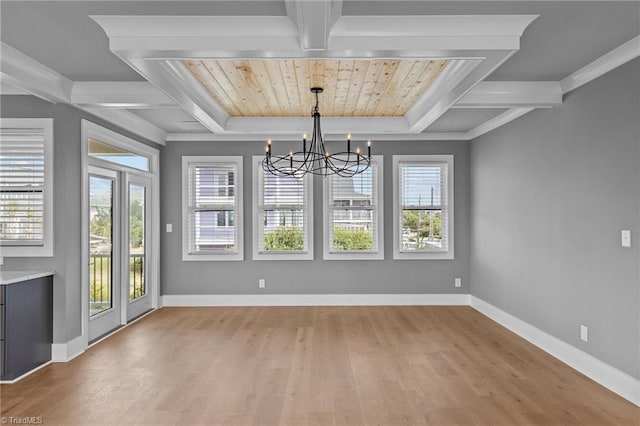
[26, 187]
[423, 207]
[353, 214]
[212, 208]
[283, 215]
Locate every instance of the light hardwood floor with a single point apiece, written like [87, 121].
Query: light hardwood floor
[315, 366]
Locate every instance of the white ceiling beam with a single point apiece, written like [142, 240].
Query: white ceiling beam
[497, 121]
[5, 89]
[129, 121]
[314, 20]
[120, 95]
[481, 42]
[176, 81]
[35, 78]
[618, 56]
[27, 74]
[512, 94]
[429, 33]
[180, 37]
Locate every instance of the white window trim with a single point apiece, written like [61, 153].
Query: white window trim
[352, 255]
[308, 218]
[239, 254]
[397, 254]
[46, 249]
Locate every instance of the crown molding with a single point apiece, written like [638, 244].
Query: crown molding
[330, 125]
[618, 56]
[374, 137]
[26, 74]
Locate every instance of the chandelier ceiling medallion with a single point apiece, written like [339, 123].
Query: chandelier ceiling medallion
[315, 158]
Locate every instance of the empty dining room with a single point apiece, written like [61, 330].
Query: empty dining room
[319, 212]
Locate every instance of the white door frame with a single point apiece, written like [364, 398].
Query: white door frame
[91, 130]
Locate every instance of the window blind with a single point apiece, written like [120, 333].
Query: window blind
[22, 181]
[353, 212]
[423, 203]
[212, 208]
[282, 210]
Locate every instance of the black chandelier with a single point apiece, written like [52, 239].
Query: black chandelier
[317, 160]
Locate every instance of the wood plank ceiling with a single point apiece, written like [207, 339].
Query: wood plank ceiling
[352, 88]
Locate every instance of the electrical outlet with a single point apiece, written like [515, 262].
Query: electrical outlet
[625, 236]
[458, 282]
[169, 227]
[261, 283]
[584, 333]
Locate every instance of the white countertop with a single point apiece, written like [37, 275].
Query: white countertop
[11, 277]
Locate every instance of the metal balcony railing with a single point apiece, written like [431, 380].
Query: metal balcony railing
[101, 277]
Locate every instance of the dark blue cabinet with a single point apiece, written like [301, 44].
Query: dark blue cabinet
[26, 326]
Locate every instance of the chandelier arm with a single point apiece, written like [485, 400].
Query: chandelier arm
[316, 160]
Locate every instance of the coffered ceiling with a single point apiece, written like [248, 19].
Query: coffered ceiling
[216, 70]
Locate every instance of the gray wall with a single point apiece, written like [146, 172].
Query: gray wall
[550, 193]
[67, 193]
[317, 276]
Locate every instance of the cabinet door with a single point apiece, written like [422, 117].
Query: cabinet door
[28, 326]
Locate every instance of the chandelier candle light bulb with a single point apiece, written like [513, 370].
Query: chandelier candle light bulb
[316, 159]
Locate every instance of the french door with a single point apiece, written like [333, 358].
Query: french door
[119, 225]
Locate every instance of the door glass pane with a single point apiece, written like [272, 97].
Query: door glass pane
[117, 155]
[137, 282]
[100, 243]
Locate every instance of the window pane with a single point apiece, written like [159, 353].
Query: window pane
[212, 204]
[137, 215]
[422, 230]
[283, 214]
[100, 242]
[117, 155]
[21, 186]
[283, 230]
[421, 185]
[214, 232]
[353, 216]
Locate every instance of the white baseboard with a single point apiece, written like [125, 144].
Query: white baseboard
[313, 299]
[610, 377]
[63, 352]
